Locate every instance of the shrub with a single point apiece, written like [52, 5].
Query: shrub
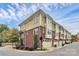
[55, 45]
[63, 44]
[31, 49]
[21, 47]
[26, 48]
[0, 44]
[18, 46]
[66, 42]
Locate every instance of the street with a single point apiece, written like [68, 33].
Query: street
[68, 50]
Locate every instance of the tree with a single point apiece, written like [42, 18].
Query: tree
[1, 39]
[11, 35]
[3, 28]
[6, 36]
[14, 36]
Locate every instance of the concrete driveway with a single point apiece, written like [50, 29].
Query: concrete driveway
[69, 50]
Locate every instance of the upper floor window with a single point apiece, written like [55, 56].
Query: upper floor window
[45, 19]
[49, 32]
[36, 19]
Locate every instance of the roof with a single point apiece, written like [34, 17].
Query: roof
[28, 19]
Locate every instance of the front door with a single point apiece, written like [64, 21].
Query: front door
[35, 38]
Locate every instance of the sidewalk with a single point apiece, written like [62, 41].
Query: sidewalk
[49, 50]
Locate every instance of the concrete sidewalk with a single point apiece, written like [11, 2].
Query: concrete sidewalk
[49, 50]
[67, 50]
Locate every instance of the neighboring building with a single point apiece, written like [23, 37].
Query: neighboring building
[77, 37]
[42, 25]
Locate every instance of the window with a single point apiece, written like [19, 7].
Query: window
[49, 32]
[47, 40]
[45, 19]
[36, 19]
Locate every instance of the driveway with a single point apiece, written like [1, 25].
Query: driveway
[69, 50]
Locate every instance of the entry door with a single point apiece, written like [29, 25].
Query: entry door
[35, 38]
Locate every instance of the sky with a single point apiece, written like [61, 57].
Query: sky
[67, 15]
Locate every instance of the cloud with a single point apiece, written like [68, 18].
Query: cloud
[4, 14]
[64, 14]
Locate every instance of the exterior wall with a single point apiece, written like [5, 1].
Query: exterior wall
[67, 36]
[47, 23]
[53, 26]
[53, 33]
[58, 43]
[62, 33]
[48, 28]
[70, 36]
[57, 32]
[47, 43]
[42, 20]
[34, 22]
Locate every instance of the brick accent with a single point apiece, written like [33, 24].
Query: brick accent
[29, 39]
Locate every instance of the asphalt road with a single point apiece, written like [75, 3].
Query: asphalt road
[69, 50]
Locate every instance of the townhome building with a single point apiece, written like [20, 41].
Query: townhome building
[42, 26]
